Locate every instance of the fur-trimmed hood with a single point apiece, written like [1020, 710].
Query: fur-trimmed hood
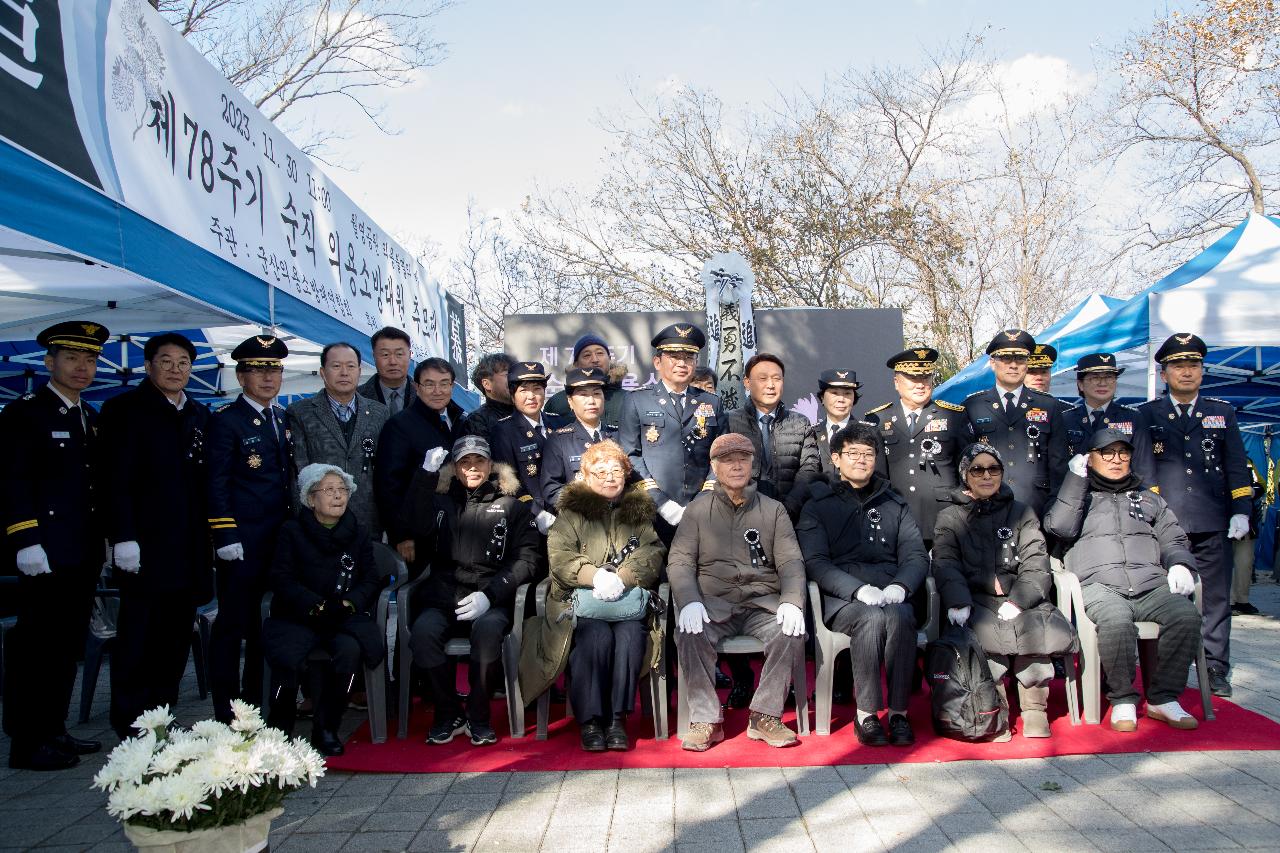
[634, 508]
[615, 373]
[502, 477]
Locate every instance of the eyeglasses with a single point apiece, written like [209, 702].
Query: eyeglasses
[680, 356]
[986, 470]
[167, 363]
[609, 474]
[1112, 454]
[332, 491]
[1016, 359]
[859, 455]
[442, 385]
[265, 371]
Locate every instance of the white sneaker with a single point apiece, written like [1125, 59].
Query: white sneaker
[1173, 714]
[1124, 717]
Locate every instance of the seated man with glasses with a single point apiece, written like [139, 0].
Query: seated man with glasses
[1133, 562]
[863, 549]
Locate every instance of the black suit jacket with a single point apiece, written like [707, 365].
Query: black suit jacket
[405, 439]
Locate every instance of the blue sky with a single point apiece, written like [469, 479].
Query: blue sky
[516, 99]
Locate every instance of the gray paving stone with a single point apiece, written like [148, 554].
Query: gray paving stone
[1060, 841]
[394, 822]
[583, 839]
[474, 783]
[313, 843]
[1194, 838]
[768, 807]
[430, 840]
[540, 782]
[377, 841]
[424, 783]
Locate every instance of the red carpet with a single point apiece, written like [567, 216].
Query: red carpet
[1234, 728]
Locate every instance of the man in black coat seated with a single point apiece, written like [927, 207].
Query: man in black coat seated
[325, 581]
[863, 548]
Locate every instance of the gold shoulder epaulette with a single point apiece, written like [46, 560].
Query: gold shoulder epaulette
[526, 498]
[879, 408]
[950, 407]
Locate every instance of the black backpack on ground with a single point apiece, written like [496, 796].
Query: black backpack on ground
[966, 704]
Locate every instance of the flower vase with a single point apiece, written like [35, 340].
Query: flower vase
[248, 837]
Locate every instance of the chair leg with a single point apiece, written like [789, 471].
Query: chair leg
[800, 683]
[544, 714]
[682, 704]
[1073, 688]
[197, 661]
[406, 689]
[658, 699]
[266, 687]
[824, 662]
[89, 679]
[1202, 679]
[511, 671]
[1090, 677]
[375, 685]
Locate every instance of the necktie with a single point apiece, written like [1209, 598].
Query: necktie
[78, 413]
[911, 422]
[1097, 419]
[394, 402]
[271, 422]
[1185, 410]
[678, 399]
[1008, 403]
[344, 414]
[766, 436]
[595, 436]
[444, 423]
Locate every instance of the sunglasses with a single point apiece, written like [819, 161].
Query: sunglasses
[986, 470]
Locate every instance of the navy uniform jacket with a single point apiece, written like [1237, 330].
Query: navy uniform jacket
[822, 437]
[1080, 427]
[562, 458]
[249, 478]
[47, 484]
[921, 464]
[1032, 441]
[671, 455]
[1199, 467]
[515, 441]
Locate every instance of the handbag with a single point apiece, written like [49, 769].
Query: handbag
[633, 604]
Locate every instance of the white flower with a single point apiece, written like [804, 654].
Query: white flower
[247, 717]
[210, 729]
[127, 763]
[156, 718]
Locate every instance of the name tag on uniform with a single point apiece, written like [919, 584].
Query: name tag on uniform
[653, 414]
[1214, 422]
[526, 448]
[1125, 427]
[1038, 416]
[61, 434]
[982, 421]
[936, 426]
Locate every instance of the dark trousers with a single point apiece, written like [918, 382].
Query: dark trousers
[1114, 614]
[698, 663]
[432, 629]
[153, 642]
[42, 650]
[879, 636]
[604, 667]
[1215, 561]
[241, 585]
[286, 646]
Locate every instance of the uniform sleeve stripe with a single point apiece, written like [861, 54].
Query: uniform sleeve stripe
[222, 526]
[216, 520]
[20, 526]
[1242, 492]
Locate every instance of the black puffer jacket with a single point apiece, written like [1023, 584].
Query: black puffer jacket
[849, 541]
[482, 540]
[1127, 540]
[795, 451]
[480, 422]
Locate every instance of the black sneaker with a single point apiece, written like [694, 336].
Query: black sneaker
[1218, 684]
[482, 734]
[871, 732]
[900, 733]
[444, 730]
[1244, 609]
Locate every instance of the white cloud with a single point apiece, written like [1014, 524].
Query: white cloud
[1030, 84]
[669, 85]
[515, 109]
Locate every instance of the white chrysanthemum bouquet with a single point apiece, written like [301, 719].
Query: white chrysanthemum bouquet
[210, 776]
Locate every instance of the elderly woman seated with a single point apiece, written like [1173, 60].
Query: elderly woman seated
[1133, 561]
[992, 568]
[605, 558]
[479, 539]
[324, 582]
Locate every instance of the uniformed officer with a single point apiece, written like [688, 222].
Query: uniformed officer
[838, 393]
[53, 533]
[519, 440]
[1025, 425]
[1188, 448]
[1040, 368]
[562, 454]
[921, 438]
[667, 428]
[1096, 378]
[249, 496]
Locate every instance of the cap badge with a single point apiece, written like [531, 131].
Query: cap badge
[843, 374]
[90, 328]
[265, 342]
[684, 333]
[921, 353]
[1104, 358]
[1011, 334]
[530, 366]
[1182, 339]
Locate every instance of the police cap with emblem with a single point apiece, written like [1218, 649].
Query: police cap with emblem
[1182, 346]
[260, 351]
[680, 337]
[469, 444]
[526, 371]
[836, 378]
[1107, 437]
[74, 334]
[914, 362]
[1042, 357]
[585, 378]
[1011, 342]
[1098, 362]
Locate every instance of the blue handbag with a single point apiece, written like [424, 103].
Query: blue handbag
[631, 605]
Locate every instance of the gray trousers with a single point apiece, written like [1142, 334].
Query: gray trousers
[1114, 614]
[697, 655]
[1029, 670]
[879, 635]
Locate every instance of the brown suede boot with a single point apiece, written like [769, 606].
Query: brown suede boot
[1034, 702]
[1006, 735]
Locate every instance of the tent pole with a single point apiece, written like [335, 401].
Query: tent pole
[1151, 363]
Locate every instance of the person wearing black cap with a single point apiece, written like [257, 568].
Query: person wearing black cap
[249, 456]
[562, 454]
[838, 393]
[1097, 376]
[477, 533]
[490, 376]
[153, 458]
[1025, 425]
[1189, 448]
[54, 535]
[667, 428]
[590, 352]
[921, 438]
[520, 440]
[1134, 564]
[1040, 367]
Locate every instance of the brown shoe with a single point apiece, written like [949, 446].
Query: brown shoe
[770, 730]
[701, 736]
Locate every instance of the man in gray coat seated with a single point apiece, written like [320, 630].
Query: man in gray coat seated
[1133, 562]
[735, 568]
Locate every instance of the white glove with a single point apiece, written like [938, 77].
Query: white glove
[608, 586]
[869, 594]
[434, 459]
[32, 561]
[544, 520]
[672, 512]
[234, 551]
[894, 594]
[958, 615]
[692, 616]
[1238, 527]
[791, 618]
[1008, 610]
[127, 556]
[1181, 581]
[1078, 464]
[472, 607]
